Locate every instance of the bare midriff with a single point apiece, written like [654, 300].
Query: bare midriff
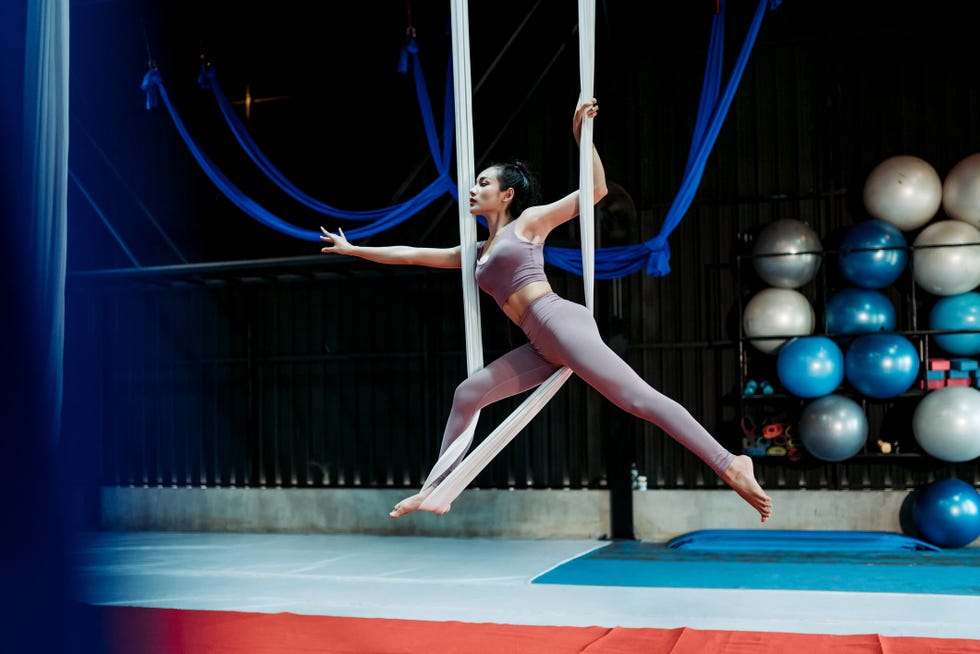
[517, 304]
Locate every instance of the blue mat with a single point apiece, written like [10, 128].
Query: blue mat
[732, 540]
[861, 569]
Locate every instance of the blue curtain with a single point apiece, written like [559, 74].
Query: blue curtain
[35, 553]
[45, 169]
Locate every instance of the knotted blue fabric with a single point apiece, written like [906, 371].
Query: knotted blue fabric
[653, 256]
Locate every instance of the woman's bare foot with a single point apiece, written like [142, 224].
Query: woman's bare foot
[413, 503]
[741, 477]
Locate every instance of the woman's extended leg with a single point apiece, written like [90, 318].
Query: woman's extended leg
[515, 372]
[566, 333]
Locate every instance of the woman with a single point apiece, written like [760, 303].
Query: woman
[510, 267]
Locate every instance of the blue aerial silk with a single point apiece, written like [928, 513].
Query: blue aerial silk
[652, 256]
[380, 219]
[441, 154]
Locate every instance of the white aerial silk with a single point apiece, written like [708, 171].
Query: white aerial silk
[443, 495]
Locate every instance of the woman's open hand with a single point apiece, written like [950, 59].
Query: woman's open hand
[338, 242]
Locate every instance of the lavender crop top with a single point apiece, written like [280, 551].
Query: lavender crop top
[513, 264]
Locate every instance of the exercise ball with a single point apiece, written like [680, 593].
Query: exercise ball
[881, 365]
[947, 512]
[810, 366]
[833, 427]
[776, 312]
[961, 191]
[873, 254]
[947, 270]
[904, 190]
[957, 312]
[859, 311]
[787, 253]
[946, 423]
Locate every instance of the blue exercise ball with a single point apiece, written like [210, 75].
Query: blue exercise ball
[957, 312]
[881, 365]
[873, 254]
[946, 423]
[947, 512]
[859, 311]
[811, 366]
[833, 427]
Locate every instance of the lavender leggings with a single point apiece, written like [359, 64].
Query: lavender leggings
[565, 333]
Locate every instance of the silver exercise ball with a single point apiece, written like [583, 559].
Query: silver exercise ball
[776, 312]
[787, 253]
[946, 423]
[961, 191]
[903, 190]
[833, 428]
[947, 270]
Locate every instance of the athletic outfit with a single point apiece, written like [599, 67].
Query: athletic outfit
[562, 333]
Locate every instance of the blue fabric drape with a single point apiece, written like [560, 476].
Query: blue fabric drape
[653, 256]
[45, 181]
[380, 219]
[441, 154]
[41, 485]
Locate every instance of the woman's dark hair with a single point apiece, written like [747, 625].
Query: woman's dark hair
[515, 175]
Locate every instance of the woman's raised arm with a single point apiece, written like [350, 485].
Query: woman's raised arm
[538, 221]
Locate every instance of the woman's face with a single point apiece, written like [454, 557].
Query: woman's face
[486, 196]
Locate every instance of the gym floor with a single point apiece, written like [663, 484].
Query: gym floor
[499, 581]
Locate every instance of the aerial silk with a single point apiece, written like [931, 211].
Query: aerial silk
[380, 219]
[442, 154]
[440, 499]
[653, 256]
[43, 181]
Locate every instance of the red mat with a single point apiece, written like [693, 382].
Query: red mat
[167, 631]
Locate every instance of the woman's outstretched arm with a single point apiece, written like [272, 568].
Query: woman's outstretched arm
[392, 254]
